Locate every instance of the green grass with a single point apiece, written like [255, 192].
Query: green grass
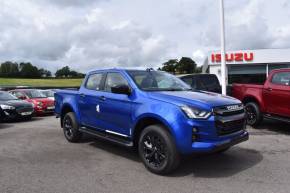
[40, 82]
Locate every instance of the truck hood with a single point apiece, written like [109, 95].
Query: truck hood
[201, 99]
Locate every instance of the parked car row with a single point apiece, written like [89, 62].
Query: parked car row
[25, 103]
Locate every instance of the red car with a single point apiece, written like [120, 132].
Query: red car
[271, 100]
[42, 104]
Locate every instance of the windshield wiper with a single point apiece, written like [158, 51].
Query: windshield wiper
[166, 89]
[174, 89]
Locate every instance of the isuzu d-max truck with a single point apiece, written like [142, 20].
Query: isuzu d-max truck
[153, 111]
[271, 100]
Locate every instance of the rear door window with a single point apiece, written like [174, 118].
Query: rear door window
[209, 81]
[281, 78]
[114, 79]
[19, 94]
[190, 80]
[94, 81]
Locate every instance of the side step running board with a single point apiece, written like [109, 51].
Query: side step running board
[275, 117]
[110, 136]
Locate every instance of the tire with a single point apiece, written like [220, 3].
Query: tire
[157, 150]
[253, 114]
[70, 128]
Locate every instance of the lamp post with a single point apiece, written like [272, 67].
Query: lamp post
[223, 48]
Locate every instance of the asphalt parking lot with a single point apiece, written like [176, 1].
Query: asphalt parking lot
[35, 157]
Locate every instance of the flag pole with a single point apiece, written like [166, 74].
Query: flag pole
[223, 48]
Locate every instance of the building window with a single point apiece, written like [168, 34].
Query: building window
[255, 74]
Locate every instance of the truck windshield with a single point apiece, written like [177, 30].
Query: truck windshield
[157, 81]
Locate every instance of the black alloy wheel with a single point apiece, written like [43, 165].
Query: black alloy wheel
[253, 114]
[157, 150]
[70, 128]
[67, 127]
[154, 150]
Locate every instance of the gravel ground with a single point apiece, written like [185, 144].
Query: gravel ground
[35, 157]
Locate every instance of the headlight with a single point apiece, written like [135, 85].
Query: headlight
[39, 103]
[7, 107]
[194, 113]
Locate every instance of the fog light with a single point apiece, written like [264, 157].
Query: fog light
[194, 130]
[194, 137]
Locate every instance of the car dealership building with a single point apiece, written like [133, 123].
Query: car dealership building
[248, 66]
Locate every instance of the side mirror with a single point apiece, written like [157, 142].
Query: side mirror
[22, 97]
[121, 89]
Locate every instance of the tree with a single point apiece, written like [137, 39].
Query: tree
[9, 69]
[75, 74]
[67, 72]
[44, 73]
[27, 70]
[63, 72]
[198, 69]
[170, 66]
[186, 66]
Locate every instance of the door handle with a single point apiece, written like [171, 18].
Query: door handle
[269, 89]
[103, 98]
[82, 95]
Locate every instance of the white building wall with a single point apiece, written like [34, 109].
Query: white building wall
[262, 56]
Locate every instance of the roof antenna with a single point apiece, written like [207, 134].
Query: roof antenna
[149, 69]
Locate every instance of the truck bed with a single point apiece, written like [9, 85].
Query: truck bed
[239, 90]
[64, 96]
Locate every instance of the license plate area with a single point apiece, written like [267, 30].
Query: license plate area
[50, 108]
[26, 113]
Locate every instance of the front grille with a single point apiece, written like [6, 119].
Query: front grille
[24, 109]
[229, 119]
[225, 128]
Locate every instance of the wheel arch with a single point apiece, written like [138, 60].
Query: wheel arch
[66, 108]
[249, 98]
[146, 121]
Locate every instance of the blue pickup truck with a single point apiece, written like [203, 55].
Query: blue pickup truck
[152, 111]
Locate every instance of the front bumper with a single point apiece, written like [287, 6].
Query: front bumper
[44, 110]
[219, 145]
[16, 114]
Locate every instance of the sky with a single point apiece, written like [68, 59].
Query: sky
[92, 34]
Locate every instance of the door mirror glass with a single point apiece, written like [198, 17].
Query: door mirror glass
[22, 97]
[117, 84]
[121, 89]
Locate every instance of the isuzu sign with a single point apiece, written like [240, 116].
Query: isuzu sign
[234, 57]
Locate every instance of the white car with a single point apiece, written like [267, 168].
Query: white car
[48, 93]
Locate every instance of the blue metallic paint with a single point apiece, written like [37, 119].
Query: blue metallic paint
[121, 113]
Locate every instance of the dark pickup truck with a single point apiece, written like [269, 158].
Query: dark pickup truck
[271, 100]
[205, 82]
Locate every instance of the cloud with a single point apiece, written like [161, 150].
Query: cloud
[89, 34]
[82, 38]
[69, 3]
